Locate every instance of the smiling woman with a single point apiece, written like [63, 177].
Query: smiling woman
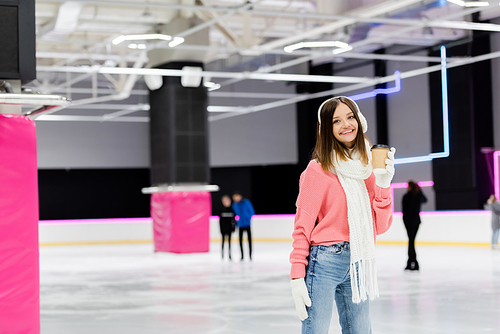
[341, 207]
[339, 119]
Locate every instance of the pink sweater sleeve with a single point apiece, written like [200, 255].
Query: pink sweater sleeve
[308, 204]
[382, 209]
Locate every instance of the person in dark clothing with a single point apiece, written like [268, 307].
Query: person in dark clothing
[412, 202]
[244, 209]
[494, 206]
[227, 223]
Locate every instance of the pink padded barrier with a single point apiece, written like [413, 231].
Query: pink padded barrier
[181, 221]
[19, 282]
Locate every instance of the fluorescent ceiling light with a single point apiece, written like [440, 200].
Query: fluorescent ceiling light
[477, 4]
[176, 41]
[137, 46]
[224, 109]
[325, 44]
[342, 50]
[458, 2]
[470, 3]
[141, 37]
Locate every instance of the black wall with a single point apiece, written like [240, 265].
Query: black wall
[271, 189]
[92, 193]
[17, 40]
[116, 193]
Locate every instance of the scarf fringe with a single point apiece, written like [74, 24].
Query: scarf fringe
[352, 174]
[364, 280]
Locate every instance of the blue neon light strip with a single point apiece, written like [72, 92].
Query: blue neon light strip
[374, 92]
[446, 130]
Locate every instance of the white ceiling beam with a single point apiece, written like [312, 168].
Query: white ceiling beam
[304, 59]
[126, 111]
[222, 27]
[68, 83]
[118, 58]
[106, 106]
[416, 26]
[393, 57]
[292, 100]
[76, 118]
[210, 74]
[78, 90]
[342, 90]
[248, 95]
[75, 55]
[466, 25]
[124, 86]
[272, 68]
[145, 92]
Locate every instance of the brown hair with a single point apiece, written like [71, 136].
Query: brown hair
[327, 144]
[414, 187]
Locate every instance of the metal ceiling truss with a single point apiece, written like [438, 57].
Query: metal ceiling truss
[298, 98]
[125, 84]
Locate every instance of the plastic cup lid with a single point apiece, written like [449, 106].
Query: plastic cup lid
[380, 146]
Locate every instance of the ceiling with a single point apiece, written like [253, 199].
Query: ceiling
[76, 55]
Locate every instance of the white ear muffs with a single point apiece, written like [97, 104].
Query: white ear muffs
[362, 119]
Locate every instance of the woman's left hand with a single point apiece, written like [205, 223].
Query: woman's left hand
[383, 178]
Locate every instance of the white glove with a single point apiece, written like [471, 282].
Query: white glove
[383, 178]
[301, 297]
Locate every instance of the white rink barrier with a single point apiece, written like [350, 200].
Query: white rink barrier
[438, 227]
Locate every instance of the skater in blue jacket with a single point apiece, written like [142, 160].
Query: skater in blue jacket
[244, 209]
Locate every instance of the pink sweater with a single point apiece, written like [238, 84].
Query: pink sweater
[322, 200]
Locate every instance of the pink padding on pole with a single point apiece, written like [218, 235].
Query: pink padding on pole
[181, 221]
[19, 282]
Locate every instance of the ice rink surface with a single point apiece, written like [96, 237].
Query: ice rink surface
[127, 289]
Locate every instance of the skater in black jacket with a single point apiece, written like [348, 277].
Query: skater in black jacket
[412, 202]
[227, 222]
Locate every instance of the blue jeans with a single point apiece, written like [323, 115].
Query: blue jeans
[494, 238]
[328, 277]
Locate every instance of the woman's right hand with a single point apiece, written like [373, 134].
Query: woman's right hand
[301, 297]
[383, 178]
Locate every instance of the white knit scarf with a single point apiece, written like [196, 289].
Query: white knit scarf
[352, 175]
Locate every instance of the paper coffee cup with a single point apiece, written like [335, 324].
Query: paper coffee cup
[379, 154]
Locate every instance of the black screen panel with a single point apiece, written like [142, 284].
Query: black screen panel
[9, 50]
